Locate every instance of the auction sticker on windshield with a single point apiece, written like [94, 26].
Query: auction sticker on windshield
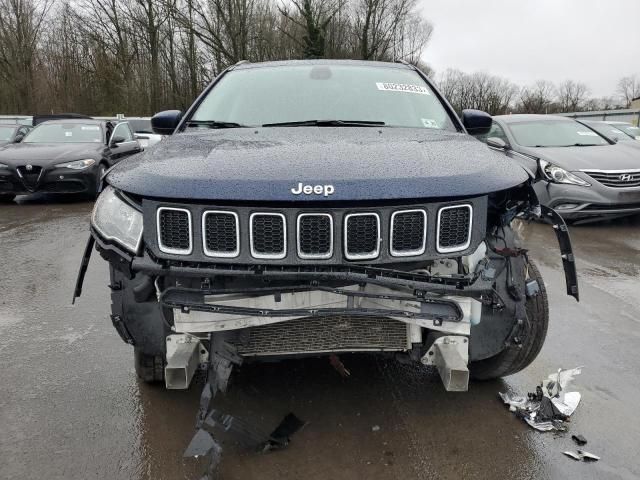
[402, 87]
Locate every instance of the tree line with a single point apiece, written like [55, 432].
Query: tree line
[102, 57]
[498, 95]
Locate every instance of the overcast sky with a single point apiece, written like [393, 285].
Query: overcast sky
[593, 41]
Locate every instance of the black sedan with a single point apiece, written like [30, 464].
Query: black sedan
[584, 176]
[12, 133]
[64, 156]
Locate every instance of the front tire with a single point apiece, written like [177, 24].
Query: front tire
[6, 198]
[517, 357]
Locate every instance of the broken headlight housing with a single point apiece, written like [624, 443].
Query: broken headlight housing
[114, 219]
[556, 174]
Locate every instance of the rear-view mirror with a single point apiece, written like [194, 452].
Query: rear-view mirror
[164, 123]
[476, 122]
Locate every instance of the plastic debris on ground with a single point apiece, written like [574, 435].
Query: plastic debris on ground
[579, 439]
[550, 406]
[581, 455]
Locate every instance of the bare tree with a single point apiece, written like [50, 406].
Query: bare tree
[478, 90]
[571, 96]
[312, 17]
[21, 25]
[537, 98]
[376, 23]
[629, 89]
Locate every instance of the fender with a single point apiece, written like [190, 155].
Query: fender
[553, 218]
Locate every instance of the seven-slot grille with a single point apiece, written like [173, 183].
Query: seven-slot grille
[315, 235]
[454, 228]
[408, 233]
[616, 178]
[268, 235]
[174, 230]
[362, 240]
[221, 234]
[360, 236]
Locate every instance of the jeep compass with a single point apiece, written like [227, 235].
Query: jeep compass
[308, 208]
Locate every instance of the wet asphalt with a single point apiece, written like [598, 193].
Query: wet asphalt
[72, 408]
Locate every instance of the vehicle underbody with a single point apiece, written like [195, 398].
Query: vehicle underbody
[465, 311]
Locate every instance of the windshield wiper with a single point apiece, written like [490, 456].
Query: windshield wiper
[326, 123]
[215, 124]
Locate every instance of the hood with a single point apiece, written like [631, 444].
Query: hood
[43, 154]
[600, 157]
[265, 164]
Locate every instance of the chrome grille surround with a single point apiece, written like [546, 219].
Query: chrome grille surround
[408, 253]
[461, 246]
[361, 256]
[220, 254]
[271, 256]
[318, 256]
[615, 178]
[167, 249]
[377, 225]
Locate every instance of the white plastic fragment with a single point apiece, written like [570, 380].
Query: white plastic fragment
[571, 401]
[548, 408]
[582, 455]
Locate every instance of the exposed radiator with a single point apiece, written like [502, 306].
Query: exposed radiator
[324, 334]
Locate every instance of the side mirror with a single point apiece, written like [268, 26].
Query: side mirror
[495, 142]
[18, 138]
[116, 140]
[476, 122]
[164, 123]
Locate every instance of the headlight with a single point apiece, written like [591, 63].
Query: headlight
[560, 175]
[116, 220]
[2, 165]
[78, 164]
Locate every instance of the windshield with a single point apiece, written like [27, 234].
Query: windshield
[6, 133]
[268, 95]
[609, 131]
[554, 133]
[629, 129]
[64, 133]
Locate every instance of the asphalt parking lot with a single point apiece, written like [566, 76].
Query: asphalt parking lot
[72, 408]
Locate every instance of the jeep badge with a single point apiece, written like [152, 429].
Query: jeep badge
[325, 190]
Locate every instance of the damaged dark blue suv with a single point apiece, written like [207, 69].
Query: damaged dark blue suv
[306, 208]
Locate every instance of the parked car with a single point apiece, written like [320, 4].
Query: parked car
[64, 156]
[306, 208]
[610, 132]
[584, 176]
[632, 130]
[12, 133]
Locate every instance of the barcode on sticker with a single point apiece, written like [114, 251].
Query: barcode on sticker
[402, 87]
